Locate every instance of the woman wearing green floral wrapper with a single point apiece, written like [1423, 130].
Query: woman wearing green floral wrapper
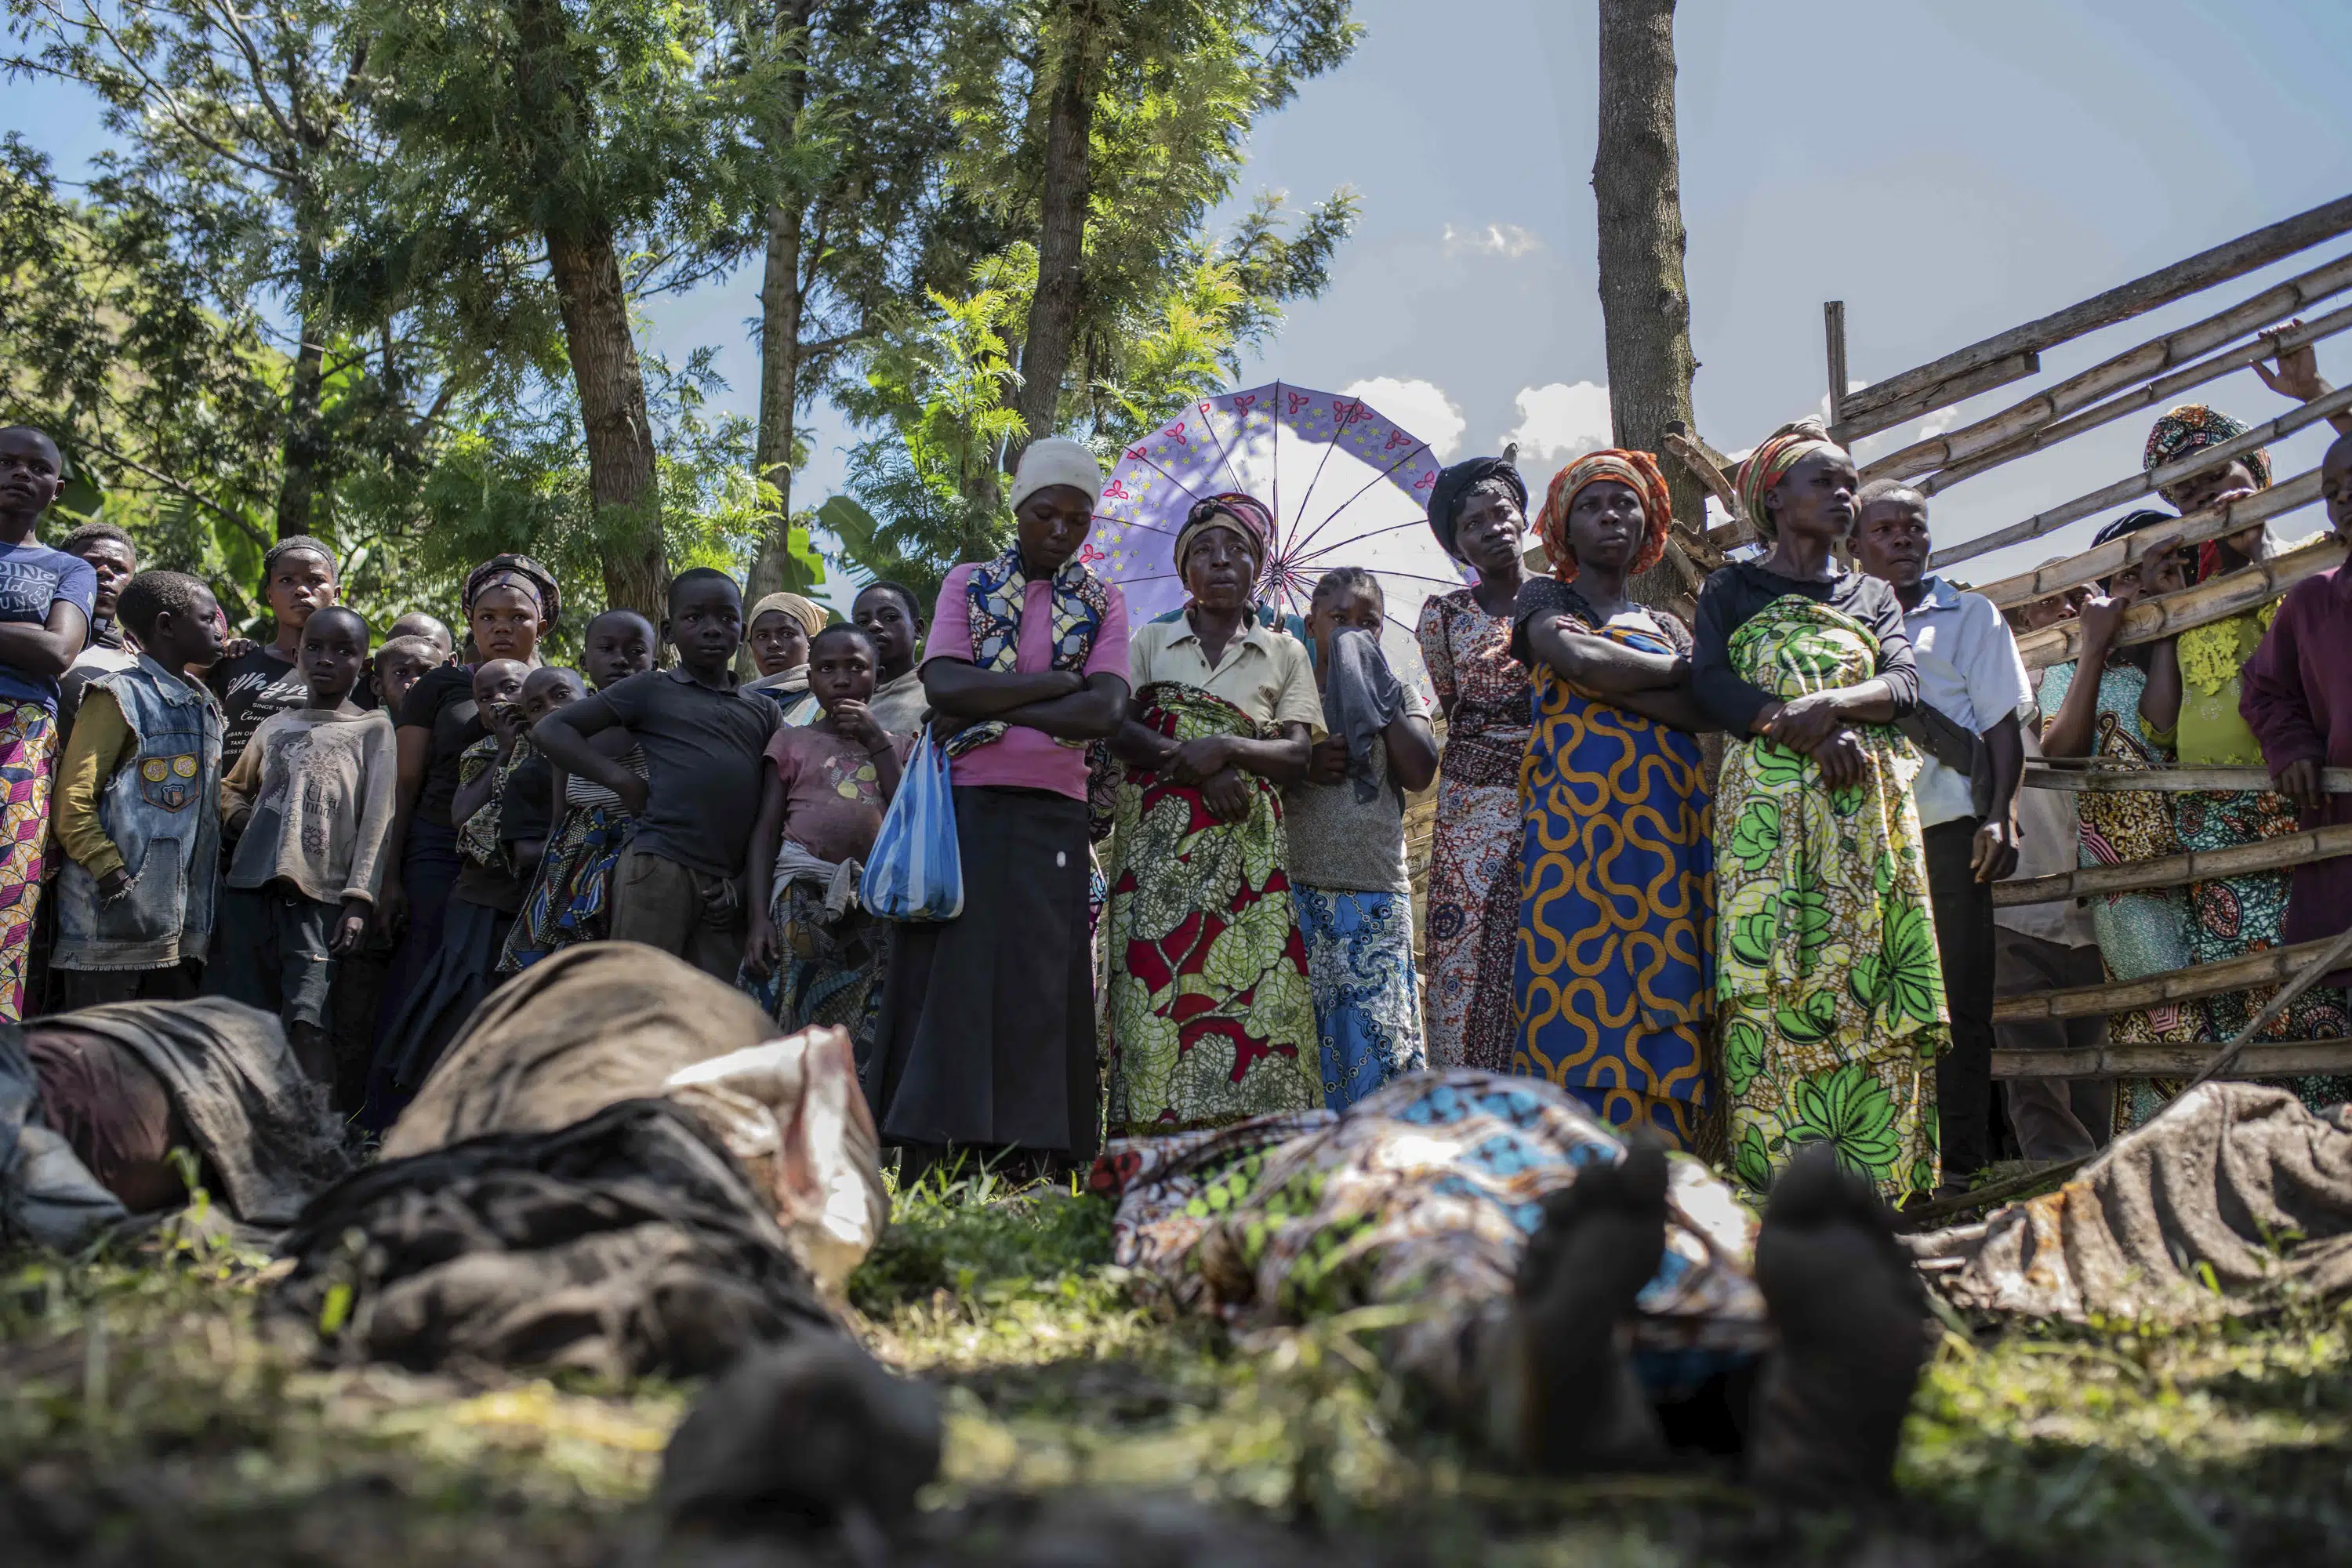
[1827, 981]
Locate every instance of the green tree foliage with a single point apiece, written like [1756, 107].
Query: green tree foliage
[624, 138]
[863, 219]
[1166, 308]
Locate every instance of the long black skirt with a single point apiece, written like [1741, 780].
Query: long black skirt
[447, 990]
[987, 1033]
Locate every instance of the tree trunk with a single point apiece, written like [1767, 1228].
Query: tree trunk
[620, 477]
[305, 450]
[1061, 230]
[781, 303]
[780, 351]
[1644, 305]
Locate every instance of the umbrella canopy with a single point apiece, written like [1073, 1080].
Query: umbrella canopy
[1346, 485]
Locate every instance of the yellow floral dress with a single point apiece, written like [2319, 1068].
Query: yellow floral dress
[1827, 978]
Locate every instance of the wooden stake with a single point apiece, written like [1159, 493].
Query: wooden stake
[2287, 1059]
[2217, 600]
[2150, 482]
[2201, 271]
[2079, 391]
[2178, 871]
[1693, 455]
[2268, 968]
[2270, 345]
[1833, 331]
[2107, 559]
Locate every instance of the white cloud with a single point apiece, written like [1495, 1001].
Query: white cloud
[1851, 388]
[1506, 240]
[1938, 422]
[1558, 422]
[1419, 406]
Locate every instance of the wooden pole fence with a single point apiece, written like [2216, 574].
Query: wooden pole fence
[2320, 965]
[1959, 389]
[2164, 389]
[2107, 559]
[2177, 870]
[2096, 778]
[2201, 605]
[1714, 471]
[2201, 271]
[2149, 481]
[2269, 968]
[2112, 375]
[2284, 1060]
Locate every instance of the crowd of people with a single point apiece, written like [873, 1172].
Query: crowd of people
[1182, 845]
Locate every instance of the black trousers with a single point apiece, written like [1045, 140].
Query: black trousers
[1964, 941]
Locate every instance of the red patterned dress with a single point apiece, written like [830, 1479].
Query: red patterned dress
[1473, 873]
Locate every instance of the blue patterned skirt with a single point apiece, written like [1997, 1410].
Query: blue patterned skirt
[571, 897]
[1366, 1005]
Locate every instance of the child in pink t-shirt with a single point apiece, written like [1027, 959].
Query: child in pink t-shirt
[814, 954]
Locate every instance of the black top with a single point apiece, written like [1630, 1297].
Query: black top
[442, 702]
[251, 687]
[1731, 598]
[702, 763]
[1550, 596]
[524, 807]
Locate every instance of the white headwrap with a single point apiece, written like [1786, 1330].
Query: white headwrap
[1055, 461]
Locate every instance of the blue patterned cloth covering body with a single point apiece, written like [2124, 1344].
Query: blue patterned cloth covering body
[1421, 1198]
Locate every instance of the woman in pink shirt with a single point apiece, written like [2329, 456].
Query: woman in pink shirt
[987, 1032]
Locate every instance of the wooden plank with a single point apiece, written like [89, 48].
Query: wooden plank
[2114, 373]
[2163, 390]
[2180, 870]
[2273, 967]
[2216, 600]
[2149, 481]
[1719, 474]
[1833, 332]
[1943, 395]
[2107, 559]
[2059, 773]
[2284, 1060]
[2206, 268]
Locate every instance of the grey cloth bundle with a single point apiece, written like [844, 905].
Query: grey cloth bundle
[1361, 697]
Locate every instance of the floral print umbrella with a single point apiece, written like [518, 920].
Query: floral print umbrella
[1347, 486]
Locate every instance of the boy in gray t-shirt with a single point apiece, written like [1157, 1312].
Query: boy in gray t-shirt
[1346, 865]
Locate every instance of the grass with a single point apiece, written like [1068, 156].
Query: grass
[149, 1415]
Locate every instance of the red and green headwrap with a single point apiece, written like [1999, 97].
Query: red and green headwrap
[1638, 469]
[1781, 450]
[2193, 426]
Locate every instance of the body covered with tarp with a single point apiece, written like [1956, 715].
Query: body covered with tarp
[2235, 1197]
[612, 1168]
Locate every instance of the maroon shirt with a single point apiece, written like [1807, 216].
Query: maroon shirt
[2296, 694]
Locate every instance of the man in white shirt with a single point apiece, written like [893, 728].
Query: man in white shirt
[1971, 685]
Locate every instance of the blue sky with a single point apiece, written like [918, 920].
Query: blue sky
[1947, 170]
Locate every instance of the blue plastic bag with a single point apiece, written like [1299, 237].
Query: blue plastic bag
[915, 872]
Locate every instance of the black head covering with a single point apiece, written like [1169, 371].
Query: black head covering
[1453, 485]
[2130, 522]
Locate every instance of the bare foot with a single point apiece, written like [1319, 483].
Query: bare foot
[1854, 1335]
[814, 1431]
[1567, 1398]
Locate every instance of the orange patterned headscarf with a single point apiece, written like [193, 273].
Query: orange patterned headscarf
[1781, 450]
[1638, 469]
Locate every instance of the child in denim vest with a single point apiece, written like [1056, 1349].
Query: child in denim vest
[136, 811]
